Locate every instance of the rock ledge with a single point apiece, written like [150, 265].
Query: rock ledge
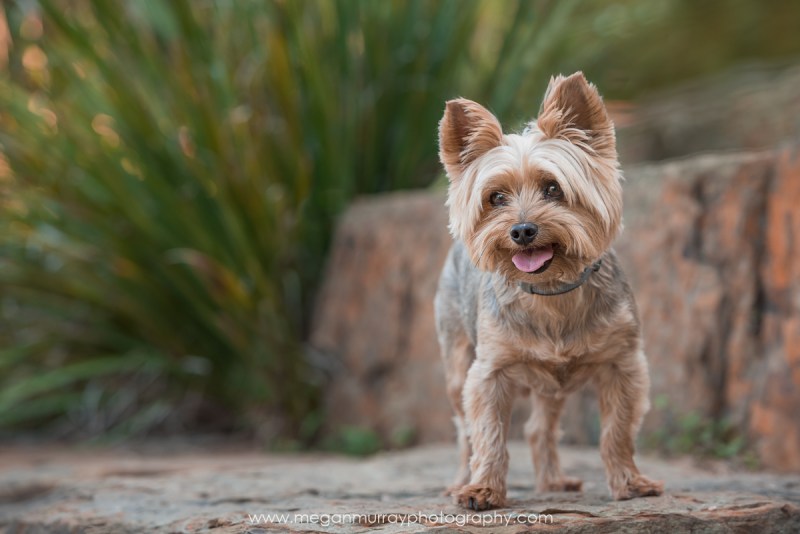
[46, 490]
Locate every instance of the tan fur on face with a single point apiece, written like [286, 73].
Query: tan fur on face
[497, 339]
[481, 160]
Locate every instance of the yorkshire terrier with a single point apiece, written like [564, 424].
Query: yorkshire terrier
[532, 296]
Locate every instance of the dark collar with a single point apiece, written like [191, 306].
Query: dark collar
[566, 288]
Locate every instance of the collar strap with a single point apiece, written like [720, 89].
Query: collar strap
[566, 288]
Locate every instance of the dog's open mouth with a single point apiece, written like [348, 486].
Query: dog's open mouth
[534, 260]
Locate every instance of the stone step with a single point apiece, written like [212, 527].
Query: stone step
[57, 490]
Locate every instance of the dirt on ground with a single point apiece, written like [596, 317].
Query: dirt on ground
[55, 490]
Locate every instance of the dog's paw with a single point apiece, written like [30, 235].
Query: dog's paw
[560, 484]
[477, 497]
[638, 486]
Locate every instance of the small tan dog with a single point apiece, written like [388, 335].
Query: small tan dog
[532, 296]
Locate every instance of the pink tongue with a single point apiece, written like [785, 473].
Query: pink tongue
[533, 259]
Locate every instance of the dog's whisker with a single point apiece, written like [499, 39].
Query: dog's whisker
[483, 251]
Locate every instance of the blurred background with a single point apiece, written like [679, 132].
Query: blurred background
[172, 174]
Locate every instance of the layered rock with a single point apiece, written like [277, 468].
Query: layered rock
[772, 379]
[374, 317]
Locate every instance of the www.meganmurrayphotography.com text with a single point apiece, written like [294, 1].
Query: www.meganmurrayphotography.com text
[432, 519]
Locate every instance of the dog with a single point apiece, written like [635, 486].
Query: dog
[532, 296]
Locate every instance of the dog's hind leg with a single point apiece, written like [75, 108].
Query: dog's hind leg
[542, 433]
[457, 355]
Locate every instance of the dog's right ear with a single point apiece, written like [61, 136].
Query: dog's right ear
[466, 132]
[572, 104]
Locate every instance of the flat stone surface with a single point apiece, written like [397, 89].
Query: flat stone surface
[58, 490]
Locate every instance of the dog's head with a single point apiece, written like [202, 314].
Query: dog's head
[540, 206]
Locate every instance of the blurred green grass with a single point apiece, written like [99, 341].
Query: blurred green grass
[171, 172]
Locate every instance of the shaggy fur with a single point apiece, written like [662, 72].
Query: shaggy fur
[562, 175]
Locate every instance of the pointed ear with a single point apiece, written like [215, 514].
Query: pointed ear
[466, 132]
[571, 104]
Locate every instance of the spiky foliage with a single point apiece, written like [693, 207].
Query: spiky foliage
[171, 170]
[172, 174]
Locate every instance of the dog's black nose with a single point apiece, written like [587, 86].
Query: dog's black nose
[524, 233]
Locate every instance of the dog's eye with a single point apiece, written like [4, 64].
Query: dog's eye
[553, 191]
[497, 199]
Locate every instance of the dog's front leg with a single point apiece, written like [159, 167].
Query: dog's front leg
[623, 388]
[488, 394]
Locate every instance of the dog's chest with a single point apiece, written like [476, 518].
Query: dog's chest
[553, 368]
[553, 348]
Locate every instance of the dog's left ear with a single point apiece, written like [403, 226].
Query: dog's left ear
[571, 104]
[466, 132]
